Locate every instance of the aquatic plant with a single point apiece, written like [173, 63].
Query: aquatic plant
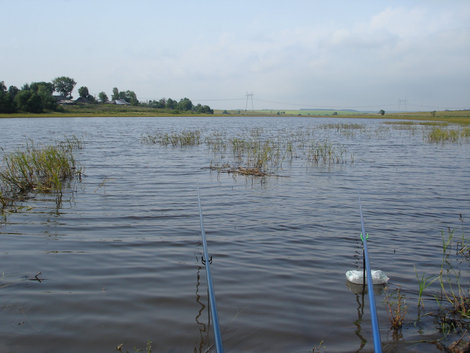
[440, 135]
[326, 153]
[37, 168]
[397, 308]
[178, 139]
[256, 152]
[450, 281]
[423, 283]
[345, 129]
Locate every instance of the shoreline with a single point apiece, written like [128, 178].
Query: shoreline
[454, 116]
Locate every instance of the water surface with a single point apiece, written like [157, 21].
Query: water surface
[120, 258]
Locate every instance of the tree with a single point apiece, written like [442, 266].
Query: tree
[44, 90]
[103, 97]
[128, 96]
[185, 104]
[29, 101]
[171, 104]
[382, 112]
[131, 97]
[7, 104]
[64, 85]
[83, 92]
[115, 95]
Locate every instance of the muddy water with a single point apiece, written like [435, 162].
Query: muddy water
[119, 257]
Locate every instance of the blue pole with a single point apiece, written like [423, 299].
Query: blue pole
[215, 318]
[370, 287]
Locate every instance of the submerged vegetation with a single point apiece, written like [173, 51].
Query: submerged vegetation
[441, 135]
[397, 308]
[182, 139]
[42, 169]
[255, 152]
[451, 294]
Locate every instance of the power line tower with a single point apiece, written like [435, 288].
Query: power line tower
[248, 96]
[402, 102]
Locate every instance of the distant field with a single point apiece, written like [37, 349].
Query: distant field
[108, 110]
[317, 112]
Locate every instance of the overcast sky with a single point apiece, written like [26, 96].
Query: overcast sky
[294, 54]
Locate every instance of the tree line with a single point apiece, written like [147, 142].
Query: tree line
[38, 97]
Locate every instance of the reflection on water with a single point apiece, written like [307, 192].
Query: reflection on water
[119, 256]
[358, 322]
[202, 326]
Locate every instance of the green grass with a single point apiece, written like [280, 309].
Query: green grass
[255, 152]
[442, 135]
[40, 169]
[109, 110]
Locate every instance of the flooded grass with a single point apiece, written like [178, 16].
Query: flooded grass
[397, 308]
[181, 139]
[443, 135]
[41, 169]
[452, 296]
[326, 153]
[256, 153]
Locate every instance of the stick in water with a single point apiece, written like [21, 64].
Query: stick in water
[215, 318]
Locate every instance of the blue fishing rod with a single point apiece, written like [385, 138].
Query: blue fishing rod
[370, 287]
[207, 261]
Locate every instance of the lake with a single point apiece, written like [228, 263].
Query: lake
[118, 261]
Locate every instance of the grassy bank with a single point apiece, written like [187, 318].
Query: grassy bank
[109, 110]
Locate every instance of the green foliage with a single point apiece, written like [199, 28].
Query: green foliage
[64, 85]
[129, 96]
[7, 104]
[171, 104]
[103, 97]
[29, 101]
[185, 104]
[83, 92]
[115, 95]
[34, 98]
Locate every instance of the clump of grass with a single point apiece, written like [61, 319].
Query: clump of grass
[325, 153]
[423, 283]
[452, 290]
[256, 152]
[397, 308]
[345, 129]
[179, 139]
[38, 169]
[441, 135]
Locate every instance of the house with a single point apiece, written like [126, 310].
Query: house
[121, 102]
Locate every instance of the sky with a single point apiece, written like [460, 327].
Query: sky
[296, 54]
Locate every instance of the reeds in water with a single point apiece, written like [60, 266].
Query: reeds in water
[37, 169]
[442, 135]
[179, 139]
[326, 153]
[257, 152]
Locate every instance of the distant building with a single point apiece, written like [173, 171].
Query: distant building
[61, 99]
[121, 102]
